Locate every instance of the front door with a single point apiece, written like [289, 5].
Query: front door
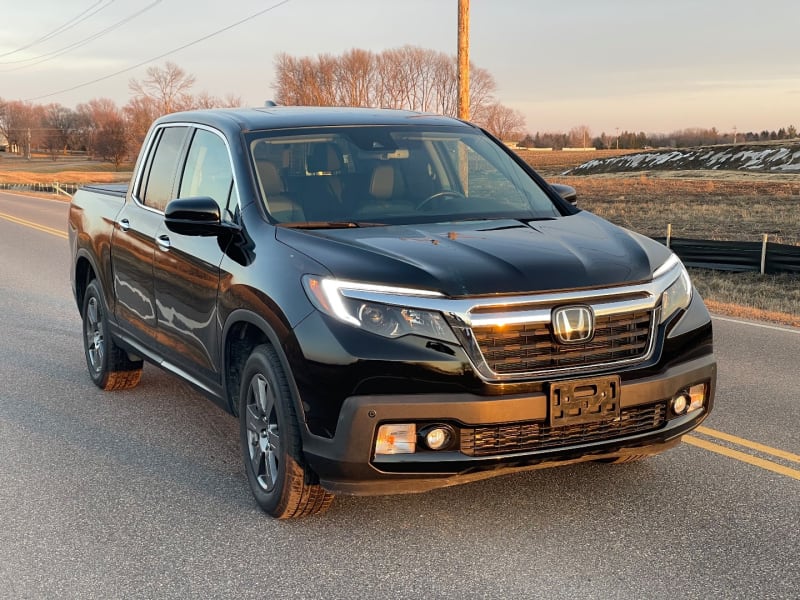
[186, 269]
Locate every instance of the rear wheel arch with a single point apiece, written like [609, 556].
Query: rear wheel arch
[84, 274]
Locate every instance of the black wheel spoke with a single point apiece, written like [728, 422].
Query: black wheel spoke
[265, 396]
[91, 312]
[93, 330]
[262, 432]
[272, 452]
[255, 421]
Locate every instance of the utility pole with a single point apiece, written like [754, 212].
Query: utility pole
[463, 88]
[463, 59]
[28, 144]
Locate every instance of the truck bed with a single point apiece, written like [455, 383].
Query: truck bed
[110, 189]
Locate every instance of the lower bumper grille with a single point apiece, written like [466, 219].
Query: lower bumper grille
[520, 437]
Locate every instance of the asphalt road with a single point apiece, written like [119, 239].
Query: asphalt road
[141, 494]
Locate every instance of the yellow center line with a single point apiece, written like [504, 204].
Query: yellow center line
[748, 444]
[32, 225]
[752, 460]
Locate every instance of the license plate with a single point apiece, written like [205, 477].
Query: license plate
[584, 401]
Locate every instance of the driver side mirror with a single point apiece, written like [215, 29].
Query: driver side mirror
[196, 216]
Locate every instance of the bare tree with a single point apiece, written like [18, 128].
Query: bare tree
[355, 78]
[410, 78]
[21, 123]
[580, 136]
[59, 126]
[104, 130]
[140, 112]
[112, 141]
[168, 88]
[205, 100]
[504, 122]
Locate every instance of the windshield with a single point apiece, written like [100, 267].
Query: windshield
[371, 175]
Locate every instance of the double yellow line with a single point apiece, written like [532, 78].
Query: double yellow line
[744, 456]
[32, 225]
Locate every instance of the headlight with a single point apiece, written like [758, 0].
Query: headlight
[347, 302]
[678, 295]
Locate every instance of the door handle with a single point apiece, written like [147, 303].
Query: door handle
[163, 242]
[124, 224]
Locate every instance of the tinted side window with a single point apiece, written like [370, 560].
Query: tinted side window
[157, 189]
[208, 169]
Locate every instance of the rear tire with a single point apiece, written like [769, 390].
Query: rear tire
[109, 365]
[271, 445]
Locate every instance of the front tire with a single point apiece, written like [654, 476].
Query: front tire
[271, 446]
[109, 365]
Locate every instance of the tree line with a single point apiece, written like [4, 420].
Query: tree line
[100, 127]
[581, 137]
[409, 77]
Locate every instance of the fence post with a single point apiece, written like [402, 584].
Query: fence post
[764, 253]
[669, 233]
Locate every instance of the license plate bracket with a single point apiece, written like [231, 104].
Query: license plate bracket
[580, 401]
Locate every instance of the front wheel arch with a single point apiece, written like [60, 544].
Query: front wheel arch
[244, 331]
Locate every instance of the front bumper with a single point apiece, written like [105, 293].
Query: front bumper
[346, 463]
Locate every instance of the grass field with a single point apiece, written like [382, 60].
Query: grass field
[740, 209]
[714, 205]
[42, 169]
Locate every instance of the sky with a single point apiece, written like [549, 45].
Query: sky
[630, 65]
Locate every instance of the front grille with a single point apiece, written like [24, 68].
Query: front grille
[521, 437]
[531, 347]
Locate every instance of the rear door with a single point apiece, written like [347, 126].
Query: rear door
[134, 243]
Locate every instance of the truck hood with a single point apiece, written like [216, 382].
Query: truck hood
[484, 257]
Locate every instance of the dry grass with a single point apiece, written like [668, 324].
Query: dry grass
[14, 169]
[774, 298]
[740, 209]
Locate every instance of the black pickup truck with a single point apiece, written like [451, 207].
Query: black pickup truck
[388, 301]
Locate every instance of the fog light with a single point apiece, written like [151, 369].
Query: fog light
[697, 393]
[680, 403]
[398, 438]
[438, 436]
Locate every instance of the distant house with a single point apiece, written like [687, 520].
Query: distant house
[3, 143]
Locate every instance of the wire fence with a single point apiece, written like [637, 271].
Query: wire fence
[67, 189]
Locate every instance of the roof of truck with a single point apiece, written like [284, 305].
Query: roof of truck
[281, 117]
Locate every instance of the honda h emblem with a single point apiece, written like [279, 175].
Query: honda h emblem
[573, 324]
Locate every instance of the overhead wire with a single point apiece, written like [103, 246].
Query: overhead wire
[165, 54]
[56, 53]
[79, 18]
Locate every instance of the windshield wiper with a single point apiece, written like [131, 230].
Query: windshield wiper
[329, 224]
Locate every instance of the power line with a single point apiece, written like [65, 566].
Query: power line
[165, 54]
[79, 18]
[56, 53]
